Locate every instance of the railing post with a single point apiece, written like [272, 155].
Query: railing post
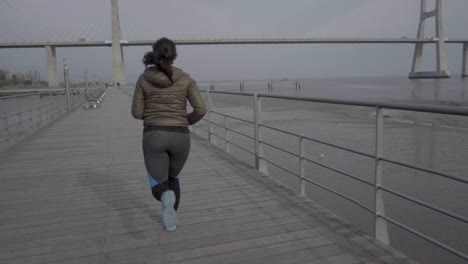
[260, 164]
[302, 165]
[465, 60]
[380, 225]
[209, 102]
[31, 119]
[20, 132]
[40, 110]
[5, 122]
[48, 112]
[67, 85]
[226, 136]
[256, 130]
[40, 115]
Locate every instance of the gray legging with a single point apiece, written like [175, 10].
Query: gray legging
[166, 150]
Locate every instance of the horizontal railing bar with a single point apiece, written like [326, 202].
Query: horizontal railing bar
[234, 144]
[230, 142]
[280, 167]
[237, 132]
[423, 236]
[279, 130]
[278, 148]
[455, 178]
[233, 117]
[216, 124]
[230, 129]
[435, 208]
[216, 135]
[13, 125]
[340, 147]
[341, 195]
[199, 127]
[230, 93]
[460, 111]
[339, 171]
[20, 95]
[321, 142]
[32, 109]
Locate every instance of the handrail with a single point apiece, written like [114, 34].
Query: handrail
[230, 129]
[19, 95]
[380, 226]
[281, 149]
[445, 175]
[36, 117]
[341, 195]
[232, 143]
[338, 171]
[423, 236]
[432, 207]
[233, 117]
[459, 111]
[29, 109]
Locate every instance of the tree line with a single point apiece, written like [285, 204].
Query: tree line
[20, 79]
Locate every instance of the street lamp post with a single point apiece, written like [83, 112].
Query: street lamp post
[67, 83]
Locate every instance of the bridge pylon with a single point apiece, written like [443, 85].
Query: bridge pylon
[118, 66]
[465, 60]
[51, 57]
[441, 51]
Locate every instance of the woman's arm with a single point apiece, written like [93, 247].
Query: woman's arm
[138, 105]
[198, 105]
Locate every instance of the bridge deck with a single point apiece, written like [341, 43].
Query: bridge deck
[77, 192]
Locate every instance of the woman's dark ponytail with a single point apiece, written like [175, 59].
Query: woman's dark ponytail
[163, 56]
[148, 59]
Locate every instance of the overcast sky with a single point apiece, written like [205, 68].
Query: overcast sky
[67, 20]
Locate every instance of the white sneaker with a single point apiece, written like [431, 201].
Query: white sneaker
[169, 214]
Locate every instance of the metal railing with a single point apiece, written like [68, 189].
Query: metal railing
[269, 84]
[50, 105]
[378, 211]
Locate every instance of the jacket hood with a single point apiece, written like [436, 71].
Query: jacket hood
[156, 77]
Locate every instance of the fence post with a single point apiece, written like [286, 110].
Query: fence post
[48, 112]
[5, 122]
[209, 105]
[256, 130]
[31, 119]
[260, 164]
[226, 139]
[67, 85]
[20, 132]
[380, 225]
[302, 165]
[40, 110]
[40, 115]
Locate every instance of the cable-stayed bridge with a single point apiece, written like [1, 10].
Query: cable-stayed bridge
[378, 17]
[371, 22]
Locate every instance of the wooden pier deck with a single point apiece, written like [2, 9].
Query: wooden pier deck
[77, 192]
